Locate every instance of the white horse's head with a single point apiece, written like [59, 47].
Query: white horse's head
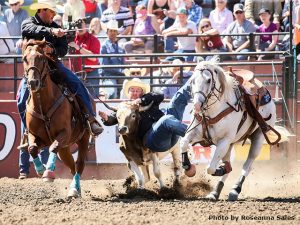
[208, 84]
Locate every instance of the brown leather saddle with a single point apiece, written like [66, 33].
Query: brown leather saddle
[254, 95]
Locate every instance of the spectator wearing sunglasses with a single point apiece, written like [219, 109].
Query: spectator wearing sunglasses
[13, 17]
[136, 73]
[241, 25]
[210, 43]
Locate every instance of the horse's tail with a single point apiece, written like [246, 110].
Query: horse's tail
[285, 134]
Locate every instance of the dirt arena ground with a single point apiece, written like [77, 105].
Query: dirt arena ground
[270, 195]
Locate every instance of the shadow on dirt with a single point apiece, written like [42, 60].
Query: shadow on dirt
[272, 199]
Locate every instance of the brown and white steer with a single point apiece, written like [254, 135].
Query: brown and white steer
[139, 156]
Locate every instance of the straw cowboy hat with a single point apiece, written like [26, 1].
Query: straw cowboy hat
[11, 2]
[175, 62]
[135, 82]
[129, 72]
[44, 4]
[112, 25]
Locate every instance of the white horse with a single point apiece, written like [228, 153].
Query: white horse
[222, 120]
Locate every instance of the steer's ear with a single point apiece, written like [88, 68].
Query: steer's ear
[144, 108]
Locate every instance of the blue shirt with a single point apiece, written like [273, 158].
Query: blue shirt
[14, 21]
[170, 91]
[111, 48]
[195, 13]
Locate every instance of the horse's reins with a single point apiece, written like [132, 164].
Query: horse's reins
[207, 121]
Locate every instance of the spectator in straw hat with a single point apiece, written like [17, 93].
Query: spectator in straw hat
[111, 46]
[130, 73]
[14, 16]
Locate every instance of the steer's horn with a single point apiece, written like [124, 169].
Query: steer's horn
[144, 108]
[107, 106]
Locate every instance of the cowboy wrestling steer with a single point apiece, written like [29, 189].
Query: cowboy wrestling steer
[133, 147]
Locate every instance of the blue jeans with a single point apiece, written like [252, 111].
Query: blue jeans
[165, 133]
[76, 87]
[243, 57]
[93, 82]
[169, 44]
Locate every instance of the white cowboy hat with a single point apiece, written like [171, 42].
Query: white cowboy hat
[128, 72]
[135, 82]
[11, 2]
[112, 25]
[44, 4]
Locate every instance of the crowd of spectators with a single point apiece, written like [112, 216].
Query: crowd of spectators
[172, 20]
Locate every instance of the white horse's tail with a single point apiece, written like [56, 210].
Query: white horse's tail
[285, 134]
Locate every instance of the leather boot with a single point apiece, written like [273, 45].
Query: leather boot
[24, 141]
[95, 126]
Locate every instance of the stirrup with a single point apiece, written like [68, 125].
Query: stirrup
[90, 121]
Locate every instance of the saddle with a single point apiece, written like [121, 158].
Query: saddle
[253, 95]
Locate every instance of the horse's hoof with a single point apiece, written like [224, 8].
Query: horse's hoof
[212, 196]
[41, 172]
[73, 193]
[191, 172]
[48, 176]
[233, 196]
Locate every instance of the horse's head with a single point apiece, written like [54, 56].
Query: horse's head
[207, 83]
[35, 64]
[128, 117]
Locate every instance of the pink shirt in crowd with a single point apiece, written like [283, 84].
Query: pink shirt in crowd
[220, 20]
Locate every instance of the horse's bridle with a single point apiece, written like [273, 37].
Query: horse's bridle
[42, 73]
[213, 88]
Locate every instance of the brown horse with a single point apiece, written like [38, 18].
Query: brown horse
[50, 118]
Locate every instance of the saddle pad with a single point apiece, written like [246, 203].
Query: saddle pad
[265, 99]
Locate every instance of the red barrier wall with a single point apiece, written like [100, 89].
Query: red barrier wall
[9, 155]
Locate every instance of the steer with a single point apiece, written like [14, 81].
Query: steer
[139, 156]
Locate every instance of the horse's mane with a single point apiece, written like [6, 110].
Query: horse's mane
[31, 42]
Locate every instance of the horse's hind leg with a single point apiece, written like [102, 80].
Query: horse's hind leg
[75, 189]
[257, 139]
[33, 151]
